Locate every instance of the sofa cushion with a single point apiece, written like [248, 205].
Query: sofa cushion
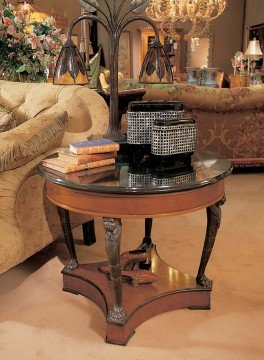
[32, 138]
[7, 120]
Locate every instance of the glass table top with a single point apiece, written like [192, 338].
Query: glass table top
[127, 177]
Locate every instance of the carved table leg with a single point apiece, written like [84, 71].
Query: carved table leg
[147, 242]
[67, 231]
[214, 215]
[89, 233]
[113, 229]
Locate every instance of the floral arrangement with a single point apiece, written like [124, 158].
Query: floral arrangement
[239, 63]
[28, 50]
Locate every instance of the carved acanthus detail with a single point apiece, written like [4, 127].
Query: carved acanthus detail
[113, 230]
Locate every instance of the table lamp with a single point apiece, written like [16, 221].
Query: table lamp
[70, 68]
[253, 52]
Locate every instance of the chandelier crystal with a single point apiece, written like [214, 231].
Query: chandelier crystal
[199, 13]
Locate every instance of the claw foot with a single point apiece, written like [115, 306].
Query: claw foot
[204, 281]
[117, 315]
[71, 266]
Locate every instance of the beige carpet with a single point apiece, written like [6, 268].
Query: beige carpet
[39, 321]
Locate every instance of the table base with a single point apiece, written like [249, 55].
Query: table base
[174, 290]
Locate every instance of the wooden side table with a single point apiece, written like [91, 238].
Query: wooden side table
[139, 195]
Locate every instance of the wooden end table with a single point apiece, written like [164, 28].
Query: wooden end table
[121, 192]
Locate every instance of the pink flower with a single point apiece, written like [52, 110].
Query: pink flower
[11, 30]
[48, 39]
[7, 21]
[35, 40]
[20, 15]
[38, 54]
[50, 21]
[10, 6]
[18, 36]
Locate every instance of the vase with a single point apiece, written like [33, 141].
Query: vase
[192, 75]
[208, 77]
[238, 80]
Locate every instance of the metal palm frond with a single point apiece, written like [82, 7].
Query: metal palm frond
[88, 5]
[138, 6]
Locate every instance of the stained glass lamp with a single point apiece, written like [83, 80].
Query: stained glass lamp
[156, 66]
[70, 67]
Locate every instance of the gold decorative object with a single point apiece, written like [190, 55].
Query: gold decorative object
[199, 13]
[35, 14]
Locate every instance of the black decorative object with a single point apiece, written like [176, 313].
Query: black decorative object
[141, 116]
[173, 137]
[159, 131]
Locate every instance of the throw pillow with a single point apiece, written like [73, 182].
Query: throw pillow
[7, 120]
[30, 139]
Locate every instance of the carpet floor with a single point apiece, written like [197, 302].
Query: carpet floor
[40, 321]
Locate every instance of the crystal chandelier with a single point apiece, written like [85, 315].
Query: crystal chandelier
[198, 13]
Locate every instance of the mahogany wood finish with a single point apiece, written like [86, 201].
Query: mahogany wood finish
[173, 290]
[137, 206]
[124, 306]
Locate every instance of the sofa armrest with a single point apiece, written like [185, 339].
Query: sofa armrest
[32, 138]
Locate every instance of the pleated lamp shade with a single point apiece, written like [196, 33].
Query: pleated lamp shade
[70, 68]
[156, 68]
[253, 49]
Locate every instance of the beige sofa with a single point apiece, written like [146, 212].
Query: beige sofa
[28, 222]
[230, 121]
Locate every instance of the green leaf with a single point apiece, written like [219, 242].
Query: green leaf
[41, 78]
[21, 69]
[9, 14]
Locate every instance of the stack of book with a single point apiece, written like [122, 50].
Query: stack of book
[84, 155]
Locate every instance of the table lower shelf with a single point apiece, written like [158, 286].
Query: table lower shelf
[173, 290]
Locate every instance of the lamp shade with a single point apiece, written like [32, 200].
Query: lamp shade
[70, 68]
[253, 49]
[156, 67]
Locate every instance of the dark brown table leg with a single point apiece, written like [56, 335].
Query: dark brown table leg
[67, 231]
[214, 215]
[113, 230]
[89, 233]
[148, 227]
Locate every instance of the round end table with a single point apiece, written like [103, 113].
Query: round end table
[127, 190]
